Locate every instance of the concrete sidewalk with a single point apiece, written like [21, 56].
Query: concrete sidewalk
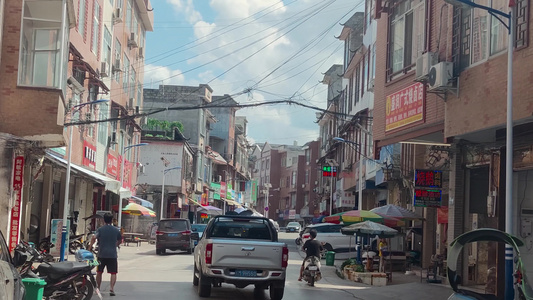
[402, 287]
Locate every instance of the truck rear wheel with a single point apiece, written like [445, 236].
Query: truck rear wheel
[204, 285]
[276, 291]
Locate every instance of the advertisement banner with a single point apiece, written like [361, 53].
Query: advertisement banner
[223, 190]
[112, 165]
[128, 168]
[89, 155]
[405, 106]
[55, 237]
[248, 192]
[442, 215]
[428, 197]
[292, 214]
[18, 181]
[216, 193]
[254, 191]
[230, 194]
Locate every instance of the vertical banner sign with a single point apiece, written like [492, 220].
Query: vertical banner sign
[55, 237]
[254, 191]
[14, 227]
[89, 155]
[112, 165]
[223, 190]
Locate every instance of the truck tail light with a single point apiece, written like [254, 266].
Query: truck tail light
[186, 232]
[208, 254]
[285, 257]
[159, 233]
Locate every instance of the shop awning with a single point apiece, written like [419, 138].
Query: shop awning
[109, 184]
[231, 202]
[124, 193]
[144, 203]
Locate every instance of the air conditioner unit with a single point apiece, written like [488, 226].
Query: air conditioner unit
[117, 16]
[440, 76]
[141, 52]
[132, 42]
[104, 69]
[116, 66]
[113, 138]
[424, 64]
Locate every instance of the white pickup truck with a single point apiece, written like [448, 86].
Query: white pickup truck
[240, 250]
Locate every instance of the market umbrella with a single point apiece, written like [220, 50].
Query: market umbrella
[210, 210]
[354, 216]
[135, 209]
[335, 218]
[369, 228]
[397, 212]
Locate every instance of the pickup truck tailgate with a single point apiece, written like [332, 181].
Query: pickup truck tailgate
[247, 254]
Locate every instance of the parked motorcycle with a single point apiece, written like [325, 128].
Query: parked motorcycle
[75, 243]
[312, 272]
[64, 280]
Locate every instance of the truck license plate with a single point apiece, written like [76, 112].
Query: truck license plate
[313, 268]
[246, 273]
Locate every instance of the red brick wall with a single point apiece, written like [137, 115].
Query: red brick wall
[434, 106]
[483, 93]
[23, 111]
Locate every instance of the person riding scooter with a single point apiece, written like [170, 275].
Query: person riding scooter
[311, 247]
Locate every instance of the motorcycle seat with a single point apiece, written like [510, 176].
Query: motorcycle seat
[64, 267]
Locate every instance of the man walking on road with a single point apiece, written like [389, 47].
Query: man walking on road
[109, 238]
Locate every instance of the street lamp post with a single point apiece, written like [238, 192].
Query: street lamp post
[124, 149]
[268, 186]
[165, 171]
[64, 230]
[509, 205]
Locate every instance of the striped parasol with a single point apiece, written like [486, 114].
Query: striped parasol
[354, 216]
[135, 209]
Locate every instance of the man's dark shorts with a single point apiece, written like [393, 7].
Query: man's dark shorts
[110, 263]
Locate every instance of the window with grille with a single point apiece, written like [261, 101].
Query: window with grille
[477, 35]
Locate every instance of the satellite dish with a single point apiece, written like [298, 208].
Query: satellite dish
[432, 76]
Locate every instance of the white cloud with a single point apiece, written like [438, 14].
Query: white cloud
[156, 75]
[186, 8]
[294, 58]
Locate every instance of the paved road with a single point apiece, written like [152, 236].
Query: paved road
[145, 275]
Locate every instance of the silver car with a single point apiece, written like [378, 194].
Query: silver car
[293, 227]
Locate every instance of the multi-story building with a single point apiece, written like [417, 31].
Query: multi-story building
[328, 123]
[475, 126]
[56, 67]
[167, 162]
[311, 199]
[196, 124]
[440, 92]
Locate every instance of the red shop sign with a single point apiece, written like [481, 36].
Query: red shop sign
[14, 226]
[405, 106]
[112, 165]
[89, 155]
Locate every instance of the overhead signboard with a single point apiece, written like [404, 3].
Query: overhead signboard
[428, 197]
[428, 178]
[329, 171]
[405, 107]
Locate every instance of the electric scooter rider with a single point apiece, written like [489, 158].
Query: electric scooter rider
[311, 247]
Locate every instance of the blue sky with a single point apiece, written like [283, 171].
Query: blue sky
[277, 50]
